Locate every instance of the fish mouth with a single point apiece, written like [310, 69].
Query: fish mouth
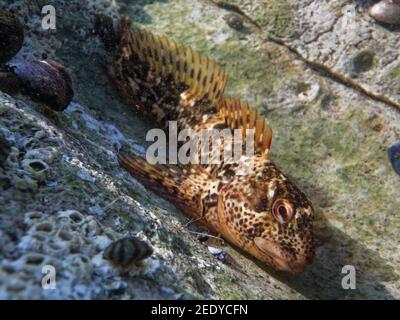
[280, 261]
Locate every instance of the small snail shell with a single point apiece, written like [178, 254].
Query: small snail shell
[127, 251]
[386, 11]
[11, 35]
[234, 20]
[44, 81]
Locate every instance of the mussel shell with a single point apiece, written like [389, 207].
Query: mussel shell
[45, 81]
[386, 11]
[394, 157]
[11, 35]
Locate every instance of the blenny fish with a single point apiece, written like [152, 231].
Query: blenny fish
[262, 212]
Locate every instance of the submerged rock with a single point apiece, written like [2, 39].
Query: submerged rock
[35, 168]
[333, 152]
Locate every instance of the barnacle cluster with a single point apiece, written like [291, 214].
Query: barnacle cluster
[57, 235]
[67, 241]
[25, 162]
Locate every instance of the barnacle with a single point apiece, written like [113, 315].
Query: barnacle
[32, 217]
[46, 154]
[36, 169]
[71, 217]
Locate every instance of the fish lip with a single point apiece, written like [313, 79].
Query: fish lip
[273, 250]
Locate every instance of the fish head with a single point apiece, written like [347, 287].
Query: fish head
[268, 216]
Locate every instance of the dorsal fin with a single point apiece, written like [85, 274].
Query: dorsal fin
[204, 76]
[239, 114]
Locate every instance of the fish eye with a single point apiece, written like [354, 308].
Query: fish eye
[282, 211]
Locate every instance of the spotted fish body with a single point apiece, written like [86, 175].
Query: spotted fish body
[263, 211]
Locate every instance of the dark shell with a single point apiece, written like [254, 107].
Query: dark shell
[109, 33]
[234, 21]
[126, 251]
[394, 157]
[9, 83]
[386, 11]
[45, 81]
[11, 35]
[5, 149]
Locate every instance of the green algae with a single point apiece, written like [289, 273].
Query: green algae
[395, 72]
[275, 16]
[282, 18]
[342, 156]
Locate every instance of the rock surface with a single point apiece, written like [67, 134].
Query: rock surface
[323, 73]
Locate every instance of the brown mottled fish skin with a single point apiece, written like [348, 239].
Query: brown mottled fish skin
[262, 212]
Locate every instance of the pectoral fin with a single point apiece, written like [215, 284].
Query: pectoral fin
[181, 186]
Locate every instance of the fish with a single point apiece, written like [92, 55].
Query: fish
[262, 212]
